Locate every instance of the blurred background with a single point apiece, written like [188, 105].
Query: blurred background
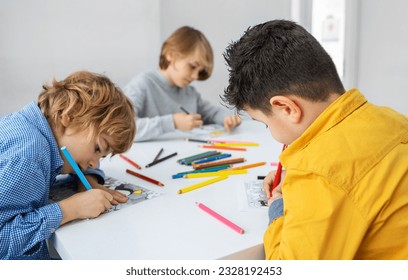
[42, 39]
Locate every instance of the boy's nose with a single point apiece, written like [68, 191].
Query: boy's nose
[93, 163]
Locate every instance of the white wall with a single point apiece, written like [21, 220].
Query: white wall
[44, 38]
[382, 56]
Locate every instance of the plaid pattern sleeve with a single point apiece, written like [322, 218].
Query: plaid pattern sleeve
[29, 163]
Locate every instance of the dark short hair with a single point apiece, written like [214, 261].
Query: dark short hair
[278, 57]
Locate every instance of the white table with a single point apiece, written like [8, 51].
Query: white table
[171, 226]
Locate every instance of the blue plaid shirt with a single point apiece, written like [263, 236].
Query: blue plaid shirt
[29, 163]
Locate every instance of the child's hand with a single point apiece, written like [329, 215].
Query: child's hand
[231, 121]
[118, 197]
[83, 205]
[267, 185]
[186, 122]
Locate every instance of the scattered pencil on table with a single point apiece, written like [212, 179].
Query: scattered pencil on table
[197, 157]
[216, 173]
[160, 160]
[76, 168]
[130, 161]
[158, 154]
[235, 144]
[143, 177]
[218, 162]
[198, 140]
[222, 148]
[220, 218]
[202, 184]
[230, 141]
[204, 170]
[248, 166]
[211, 158]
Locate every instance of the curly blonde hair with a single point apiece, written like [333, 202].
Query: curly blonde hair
[91, 101]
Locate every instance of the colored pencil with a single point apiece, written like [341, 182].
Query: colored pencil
[220, 218]
[160, 160]
[158, 154]
[197, 156]
[202, 184]
[198, 140]
[143, 177]
[204, 170]
[248, 166]
[223, 148]
[184, 110]
[278, 173]
[130, 161]
[235, 144]
[212, 158]
[190, 162]
[216, 173]
[218, 162]
[76, 168]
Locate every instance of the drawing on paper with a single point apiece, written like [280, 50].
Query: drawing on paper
[134, 192]
[255, 194]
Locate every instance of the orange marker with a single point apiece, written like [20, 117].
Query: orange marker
[130, 161]
[247, 166]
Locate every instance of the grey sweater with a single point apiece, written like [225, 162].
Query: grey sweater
[155, 102]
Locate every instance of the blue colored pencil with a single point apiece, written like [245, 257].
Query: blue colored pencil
[212, 158]
[76, 168]
[197, 157]
[209, 169]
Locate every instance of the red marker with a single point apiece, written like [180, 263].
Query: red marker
[278, 173]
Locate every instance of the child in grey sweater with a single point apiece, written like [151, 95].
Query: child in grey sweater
[165, 101]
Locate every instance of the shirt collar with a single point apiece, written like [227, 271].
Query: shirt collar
[34, 115]
[343, 106]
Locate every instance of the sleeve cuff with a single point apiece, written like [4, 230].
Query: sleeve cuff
[276, 209]
[98, 173]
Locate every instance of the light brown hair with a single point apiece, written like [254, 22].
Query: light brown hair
[91, 101]
[184, 41]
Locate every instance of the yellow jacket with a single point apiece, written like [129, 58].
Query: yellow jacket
[345, 191]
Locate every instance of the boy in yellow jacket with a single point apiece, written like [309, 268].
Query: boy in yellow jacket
[344, 191]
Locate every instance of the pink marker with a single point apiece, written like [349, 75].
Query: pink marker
[220, 218]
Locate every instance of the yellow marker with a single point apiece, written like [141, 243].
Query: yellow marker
[202, 184]
[236, 144]
[218, 173]
[137, 192]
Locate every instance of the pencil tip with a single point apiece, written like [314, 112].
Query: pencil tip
[179, 192]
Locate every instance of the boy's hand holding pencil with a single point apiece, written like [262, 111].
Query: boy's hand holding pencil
[268, 182]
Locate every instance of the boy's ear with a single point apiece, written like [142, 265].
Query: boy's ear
[170, 56]
[65, 120]
[286, 107]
